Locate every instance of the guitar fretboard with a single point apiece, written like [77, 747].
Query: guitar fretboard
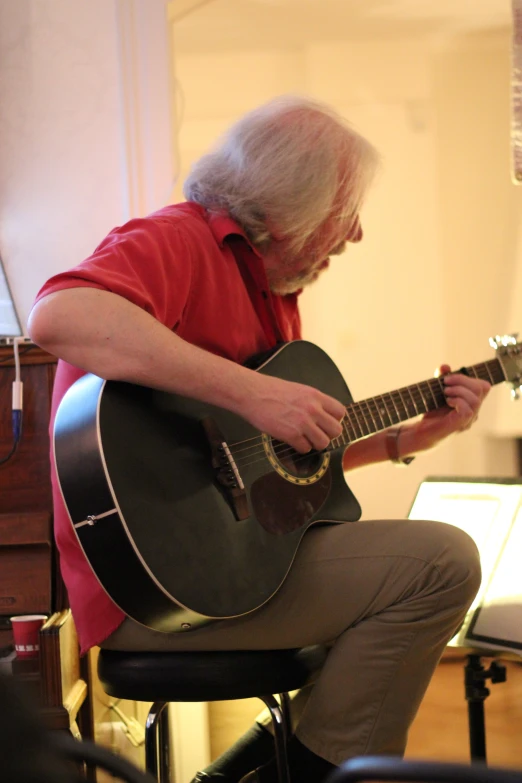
[366, 417]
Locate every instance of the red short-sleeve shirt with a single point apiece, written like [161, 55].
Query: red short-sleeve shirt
[198, 275]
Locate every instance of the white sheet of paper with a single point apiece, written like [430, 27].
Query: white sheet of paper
[491, 514]
[499, 619]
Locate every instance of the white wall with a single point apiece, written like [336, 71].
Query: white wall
[430, 282]
[86, 131]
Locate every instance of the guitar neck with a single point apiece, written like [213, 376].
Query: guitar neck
[366, 417]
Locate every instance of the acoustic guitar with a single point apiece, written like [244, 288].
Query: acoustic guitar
[186, 513]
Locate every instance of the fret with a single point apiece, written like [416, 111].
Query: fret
[423, 398]
[344, 434]
[399, 405]
[500, 374]
[416, 406]
[349, 428]
[375, 426]
[432, 401]
[393, 420]
[394, 400]
[409, 409]
[430, 387]
[355, 424]
[490, 377]
[380, 425]
[383, 412]
[417, 411]
[335, 442]
[440, 381]
[399, 392]
[440, 392]
[362, 417]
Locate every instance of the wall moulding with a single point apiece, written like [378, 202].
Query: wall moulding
[146, 100]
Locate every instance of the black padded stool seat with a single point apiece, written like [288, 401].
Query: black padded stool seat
[163, 677]
[206, 676]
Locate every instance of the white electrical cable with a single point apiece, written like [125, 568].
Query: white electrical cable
[17, 400]
[16, 352]
[18, 392]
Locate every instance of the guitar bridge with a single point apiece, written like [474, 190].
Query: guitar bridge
[226, 471]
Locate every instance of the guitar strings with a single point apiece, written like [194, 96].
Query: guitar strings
[283, 450]
[245, 460]
[280, 451]
[288, 450]
[414, 391]
[263, 456]
[258, 439]
[355, 422]
[247, 452]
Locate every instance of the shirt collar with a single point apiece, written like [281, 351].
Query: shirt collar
[222, 226]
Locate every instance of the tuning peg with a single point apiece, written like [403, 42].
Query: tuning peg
[515, 392]
[503, 340]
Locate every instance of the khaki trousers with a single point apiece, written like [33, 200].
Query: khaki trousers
[388, 595]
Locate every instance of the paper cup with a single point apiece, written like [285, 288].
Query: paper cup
[25, 631]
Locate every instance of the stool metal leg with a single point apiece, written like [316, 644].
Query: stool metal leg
[157, 742]
[286, 702]
[164, 746]
[279, 724]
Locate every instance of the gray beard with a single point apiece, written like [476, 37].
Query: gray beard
[284, 286]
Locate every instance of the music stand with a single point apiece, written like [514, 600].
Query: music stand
[490, 511]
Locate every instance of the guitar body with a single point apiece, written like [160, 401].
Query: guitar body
[175, 538]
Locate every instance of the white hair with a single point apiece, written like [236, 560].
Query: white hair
[289, 164]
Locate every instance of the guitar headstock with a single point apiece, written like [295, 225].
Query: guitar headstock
[509, 354]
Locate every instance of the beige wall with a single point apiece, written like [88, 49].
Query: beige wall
[431, 280]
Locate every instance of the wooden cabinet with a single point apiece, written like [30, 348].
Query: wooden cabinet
[30, 580]
[29, 576]
[26, 562]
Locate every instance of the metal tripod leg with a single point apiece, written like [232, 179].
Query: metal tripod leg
[475, 676]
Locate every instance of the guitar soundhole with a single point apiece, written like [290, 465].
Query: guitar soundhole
[298, 465]
[294, 467]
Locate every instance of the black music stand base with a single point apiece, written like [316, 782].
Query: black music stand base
[475, 676]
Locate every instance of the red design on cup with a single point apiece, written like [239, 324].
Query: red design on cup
[26, 630]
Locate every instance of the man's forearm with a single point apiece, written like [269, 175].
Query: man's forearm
[105, 334]
[374, 449]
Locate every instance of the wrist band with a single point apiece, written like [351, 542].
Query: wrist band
[392, 447]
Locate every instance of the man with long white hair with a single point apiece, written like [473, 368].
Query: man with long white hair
[178, 301]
